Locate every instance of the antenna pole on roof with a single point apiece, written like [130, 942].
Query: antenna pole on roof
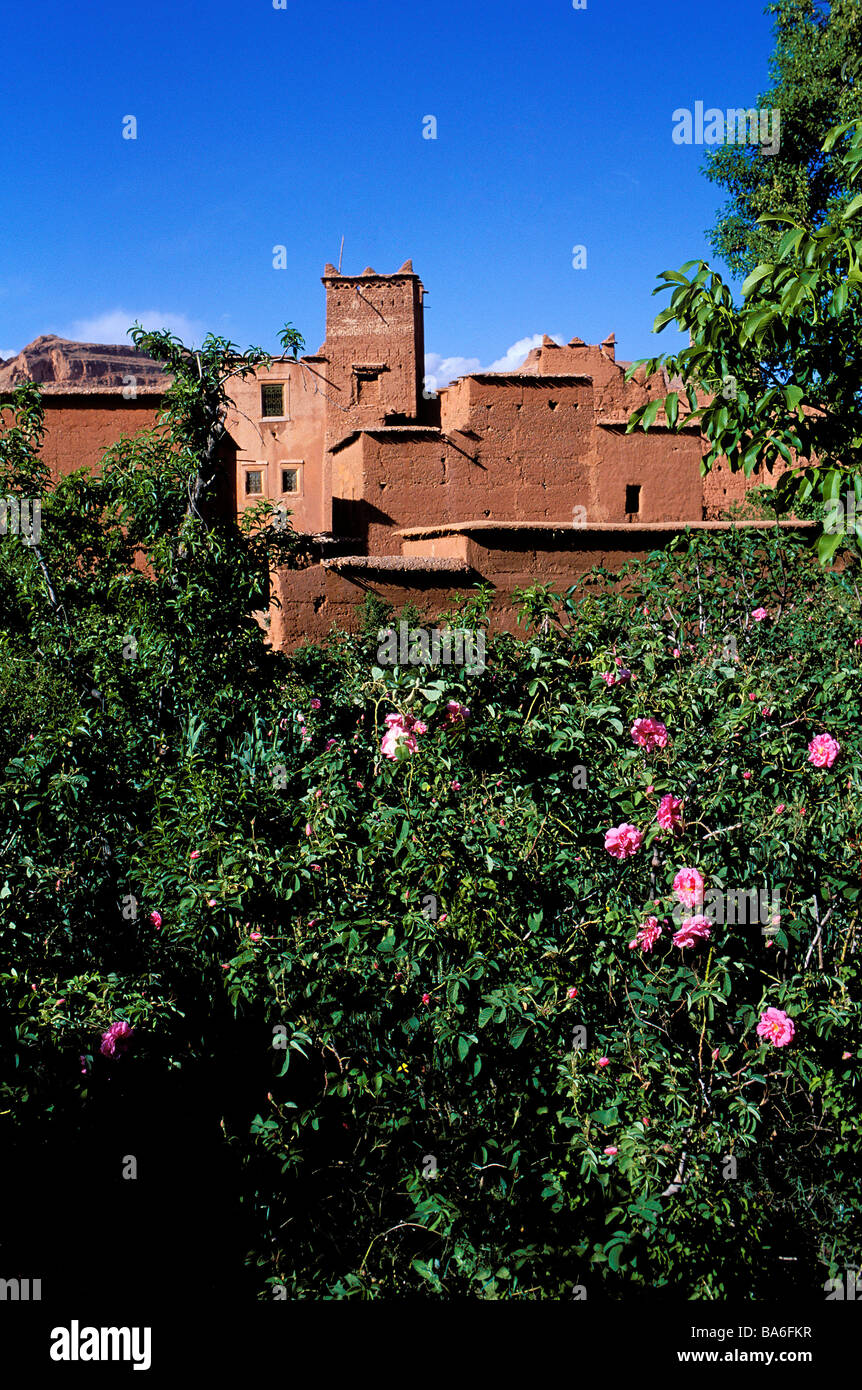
[340, 254]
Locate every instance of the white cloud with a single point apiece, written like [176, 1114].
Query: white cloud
[6, 353]
[514, 357]
[446, 369]
[113, 327]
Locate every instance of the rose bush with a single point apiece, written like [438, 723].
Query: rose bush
[444, 1041]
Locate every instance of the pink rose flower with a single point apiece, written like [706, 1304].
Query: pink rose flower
[649, 733]
[746, 776]
[315, 704]
[572, 993]
[688, 887]
[623, 841]
[330, 743]
[776, 1027]
[676, 652]
[609, 678]
[823, 750]
[780, 807]
[401, 732]
[426, 998]
[647, 935]
[456, 713]
[611, 1150]
[195, 854]
[254, 936]
[456, 786]
[116, 1038]
[604, 1061]
[156, 919]
[694, 929]
[758, 614]
[668, 815]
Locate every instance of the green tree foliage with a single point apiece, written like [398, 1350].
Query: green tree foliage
[816, 71]
[790, 355]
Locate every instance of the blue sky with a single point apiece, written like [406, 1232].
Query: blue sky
[259, 127]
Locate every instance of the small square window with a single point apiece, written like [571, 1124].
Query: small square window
[272, 401]
[367, 388]
[289, 480]
[253, 481]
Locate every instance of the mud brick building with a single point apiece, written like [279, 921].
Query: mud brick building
[513, 478]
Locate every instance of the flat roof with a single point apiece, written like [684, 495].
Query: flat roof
[447, 563]
[450, 528]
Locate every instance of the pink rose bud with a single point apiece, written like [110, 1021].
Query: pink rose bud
[604, 1061]
[572, 993]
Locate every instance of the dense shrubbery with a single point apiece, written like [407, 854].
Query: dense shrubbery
[395, 998]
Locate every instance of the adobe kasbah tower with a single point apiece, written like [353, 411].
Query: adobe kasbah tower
[374, 349]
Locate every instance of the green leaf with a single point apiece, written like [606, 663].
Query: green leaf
[759, 273]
